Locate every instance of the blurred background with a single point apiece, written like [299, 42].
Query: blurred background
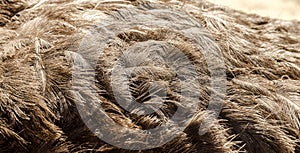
[282, 9]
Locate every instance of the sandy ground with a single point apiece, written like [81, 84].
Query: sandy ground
[283, 9]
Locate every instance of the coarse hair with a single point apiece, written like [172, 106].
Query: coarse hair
[40, 40]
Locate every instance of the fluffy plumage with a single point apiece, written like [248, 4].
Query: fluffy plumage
[40, 40]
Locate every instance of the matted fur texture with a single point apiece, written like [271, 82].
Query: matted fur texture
[261, 112]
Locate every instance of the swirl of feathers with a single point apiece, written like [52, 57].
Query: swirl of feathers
[38, 113]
